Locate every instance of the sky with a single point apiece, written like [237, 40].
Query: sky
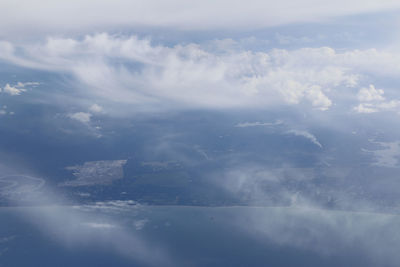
[291, 81]
[256, 54]
[253, 54]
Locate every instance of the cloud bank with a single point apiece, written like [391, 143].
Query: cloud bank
[132, 70]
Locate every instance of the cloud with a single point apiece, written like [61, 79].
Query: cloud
[131, 70]
[329, 233]
[372, 100]
[11, 90]
[365, 108]
[81, 116]
[140, 224]
[73, 228]
[84, 225]
[96, 108]
[254, 124]
[287, 212]
[18, 88]
[27, 17]
[87, 126]
[139, 75]
[97, 225]
[19, 186]
[306, 135]
[253, 184]
[370, 94]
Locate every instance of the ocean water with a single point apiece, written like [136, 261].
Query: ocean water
[126, 234]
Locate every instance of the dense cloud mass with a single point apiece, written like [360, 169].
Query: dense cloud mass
[132, 70]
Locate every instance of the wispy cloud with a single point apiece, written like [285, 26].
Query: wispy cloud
[257, 123]
[306, 135]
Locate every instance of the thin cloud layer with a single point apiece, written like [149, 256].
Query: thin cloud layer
[329, 233]
[22, 16]
[77, 227]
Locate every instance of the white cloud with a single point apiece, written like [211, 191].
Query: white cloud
[25, 84]
[17, 186]
[140, 224]
[13, 90]
[81, 116]
[29, 16]
[96, 108]
[257, 123]
[79, 226]
[73, 226]
[327, 232]
[97, 225]
[190, 76]
[372, 100]
[370, 94]
[365, 108]
[286, 210]
[18, 88]
[129, 70]
[318, 98]
[307, 135]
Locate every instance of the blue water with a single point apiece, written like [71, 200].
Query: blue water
[110, 235]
